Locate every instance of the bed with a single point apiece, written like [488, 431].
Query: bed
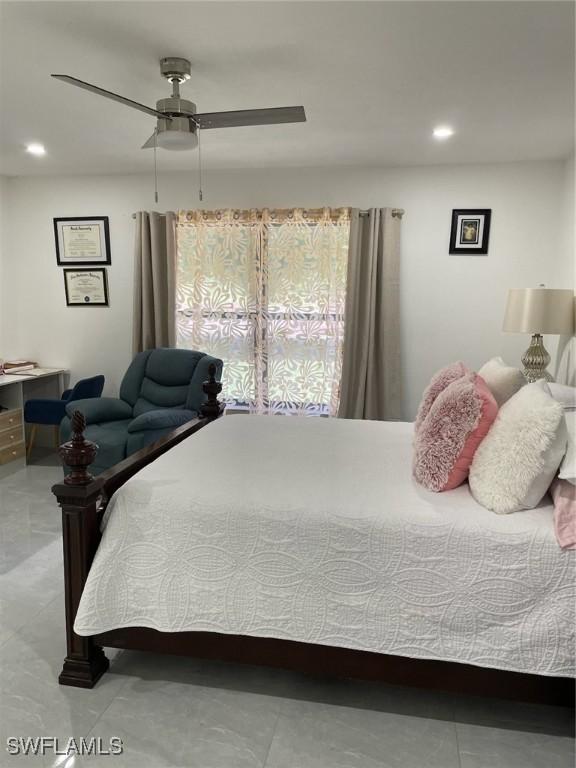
[306, 543]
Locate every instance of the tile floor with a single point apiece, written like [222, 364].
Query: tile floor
[180, 712]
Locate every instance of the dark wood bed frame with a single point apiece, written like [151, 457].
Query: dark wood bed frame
[83, 500]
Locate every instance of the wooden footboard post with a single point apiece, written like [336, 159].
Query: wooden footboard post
[212, 408]
[78, 496]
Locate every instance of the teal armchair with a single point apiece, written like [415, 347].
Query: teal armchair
[161, 390]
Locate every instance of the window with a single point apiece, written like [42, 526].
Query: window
[264, 290]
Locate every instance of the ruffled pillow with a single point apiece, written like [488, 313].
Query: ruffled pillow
[438, 383]
[458, 421]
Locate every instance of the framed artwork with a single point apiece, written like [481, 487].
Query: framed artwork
[82, 240]
[86, 287]
[470, 231]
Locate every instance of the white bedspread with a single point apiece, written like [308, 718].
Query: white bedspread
[313, 530]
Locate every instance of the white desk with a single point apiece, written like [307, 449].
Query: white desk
[15, 389]
[43, 373]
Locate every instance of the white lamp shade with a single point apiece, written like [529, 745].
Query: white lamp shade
[540, 310]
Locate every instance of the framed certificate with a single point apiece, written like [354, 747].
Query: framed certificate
[86, 287]
[82, 240]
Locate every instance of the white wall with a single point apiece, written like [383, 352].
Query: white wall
[3, 253]
[566, 350]
[452, 306]
[568, 233]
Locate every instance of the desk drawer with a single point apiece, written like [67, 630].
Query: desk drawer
[10, 436]
[9, 419]
[12, 453]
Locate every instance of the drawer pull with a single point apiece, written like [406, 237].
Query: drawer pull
[11, 452]
[10, 421]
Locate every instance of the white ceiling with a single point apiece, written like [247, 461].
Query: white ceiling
[374, 77]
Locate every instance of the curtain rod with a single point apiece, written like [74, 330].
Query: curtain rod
[396, 212]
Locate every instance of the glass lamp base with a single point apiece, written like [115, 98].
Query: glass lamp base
[536, 359]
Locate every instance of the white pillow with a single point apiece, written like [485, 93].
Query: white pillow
[502, 380]
[518, 459]
[568, 466]
[564, 394]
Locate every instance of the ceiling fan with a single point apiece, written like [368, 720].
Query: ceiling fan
[177, 120]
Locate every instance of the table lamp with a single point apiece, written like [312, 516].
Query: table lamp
[538, 311]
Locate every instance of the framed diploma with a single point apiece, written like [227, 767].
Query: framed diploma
[86, 287]
[82, 241]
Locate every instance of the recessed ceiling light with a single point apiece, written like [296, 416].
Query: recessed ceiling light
[36, 149]
[443, 132]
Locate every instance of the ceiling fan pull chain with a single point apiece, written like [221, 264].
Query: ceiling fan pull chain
[155, 166]
[200, 196]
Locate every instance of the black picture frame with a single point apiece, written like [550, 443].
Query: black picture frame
[69, 303]
[62, 261]
[477, 222]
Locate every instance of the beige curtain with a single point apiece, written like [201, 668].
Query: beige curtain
[264, 290]
[154, 281]
[370, 385]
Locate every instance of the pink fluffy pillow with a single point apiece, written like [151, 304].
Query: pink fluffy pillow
[456, 424]
[438, 383]
[564, 497]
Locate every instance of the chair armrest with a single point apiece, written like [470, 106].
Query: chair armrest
[44, 411]
[100, 409]
[165, 418]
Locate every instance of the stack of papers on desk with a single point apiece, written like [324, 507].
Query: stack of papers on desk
[39, 371]
[18, 366]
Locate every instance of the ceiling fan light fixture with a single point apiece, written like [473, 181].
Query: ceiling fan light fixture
[176, 134]
[177, 140]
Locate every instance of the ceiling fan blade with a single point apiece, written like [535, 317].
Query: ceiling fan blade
[250, 117]
[110, 95]
[149, 144]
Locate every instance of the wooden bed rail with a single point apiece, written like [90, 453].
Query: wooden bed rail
[83, 499]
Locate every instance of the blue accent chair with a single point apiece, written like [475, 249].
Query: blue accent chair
[51, 411]
[161, 390]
